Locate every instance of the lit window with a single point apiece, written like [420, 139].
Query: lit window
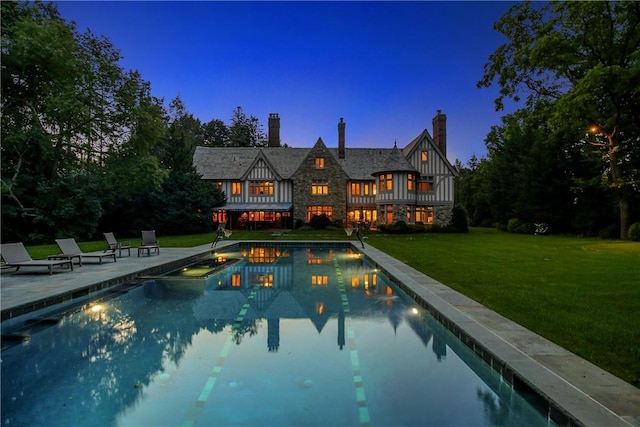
[410, 181]
[319, 187]
[235, 280]
[261, 188]
[319, 162]
[367, 187]
[386, 182]
[319, 210]
[424, 156]
[319, 280]
[424, 214]
[426, 185]
[355, 188]
[236, 188]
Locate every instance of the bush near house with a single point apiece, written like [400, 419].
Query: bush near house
[634, 232]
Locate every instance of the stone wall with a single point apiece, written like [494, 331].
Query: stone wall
[332, 173]
[443, 214]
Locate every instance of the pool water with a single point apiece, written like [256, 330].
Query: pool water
[287, 337]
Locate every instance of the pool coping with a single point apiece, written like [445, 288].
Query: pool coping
[576, 391]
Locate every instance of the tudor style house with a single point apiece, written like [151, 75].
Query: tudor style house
[277, 187]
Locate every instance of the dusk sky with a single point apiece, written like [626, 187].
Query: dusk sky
[386, 67]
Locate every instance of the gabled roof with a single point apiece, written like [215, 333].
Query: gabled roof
[261, 156]
[232, 163]
[426, 138]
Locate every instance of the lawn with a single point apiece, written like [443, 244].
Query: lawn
[581, 293]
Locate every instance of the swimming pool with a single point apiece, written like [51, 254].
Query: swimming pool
[287, 336]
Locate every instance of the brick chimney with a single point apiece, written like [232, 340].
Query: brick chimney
[274, 130]
[440, 131]
[341, 127]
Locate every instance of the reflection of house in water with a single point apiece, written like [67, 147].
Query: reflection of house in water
[305, 283]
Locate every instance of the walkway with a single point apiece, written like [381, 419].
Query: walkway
[571, 385]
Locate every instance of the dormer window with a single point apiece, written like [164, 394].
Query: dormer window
[319, 162]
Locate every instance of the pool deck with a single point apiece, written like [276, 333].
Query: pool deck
[577, 392]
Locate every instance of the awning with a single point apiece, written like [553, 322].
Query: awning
[267, 207]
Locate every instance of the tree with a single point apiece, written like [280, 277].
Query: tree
[58, 114]
[216, 134]
[583, 60]
[246, 131]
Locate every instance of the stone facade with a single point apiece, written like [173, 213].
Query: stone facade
[331, 173]
[443, 215]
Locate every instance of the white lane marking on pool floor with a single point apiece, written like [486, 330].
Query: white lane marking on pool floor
[361, 398]
[222, 357]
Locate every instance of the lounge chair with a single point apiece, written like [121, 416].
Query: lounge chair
[16, 255]
[69, 250]
[114, 245]
[149, 243]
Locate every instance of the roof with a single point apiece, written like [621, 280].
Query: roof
[395, 162]
[231, 163]
[234, 163]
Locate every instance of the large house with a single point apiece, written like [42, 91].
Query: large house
[275, 186]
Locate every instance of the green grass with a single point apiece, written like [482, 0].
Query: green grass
[581, 293]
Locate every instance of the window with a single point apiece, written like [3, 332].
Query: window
[424, 156]
[319, 280]
[424, 214]
[319, 162]
[236, 187]
[374, 189]
[319, 187]
[261, 188]
[319, 210]
[410, 181]
[386, 182]
[367, 188]
[235, 280]
[426, 185]
[355, 188]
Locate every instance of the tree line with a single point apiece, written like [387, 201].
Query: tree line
[568, 159]
[86, 147]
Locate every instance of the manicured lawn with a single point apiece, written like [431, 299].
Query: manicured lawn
[582, 293]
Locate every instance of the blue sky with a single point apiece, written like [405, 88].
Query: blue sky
[386, 67]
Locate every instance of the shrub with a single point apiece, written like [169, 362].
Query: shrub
[634, 232]
[518, 226]
[400, 225]
[320, 222]
[459, 219]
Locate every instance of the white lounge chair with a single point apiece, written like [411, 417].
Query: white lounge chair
[16, 255]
